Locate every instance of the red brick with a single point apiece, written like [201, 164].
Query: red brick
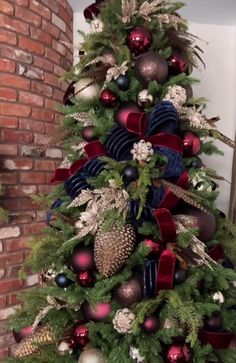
[69, 33]
[8, 122]
[31, 45]
[31, 99]
[7, 65]
[64, 15]
[7, 36]
[62, 3]
[40, 139]
[4, 353]
[8, 178]
[11, 204]
[31, 125]
[23, 3]
[21, 190]
[14, 299]
[27, 204]
[28, 16]
[41, 36]
[8, 94]
[21, 137]
[52, 55]
[6, 8]
[44, 165]
[31, 72]
[22, 217]
[3, 301]
[18, 164]
[13, 109]
[16, 54]
[51, 129]
[41, 88]
[51, 79]
[7, 149]
[42, 114]
[52, 4]
[11, 259]
[58, 95]
[33, 229]
[43, 63]
[46, 189]
[59, 47]
[32, 178]
[51, 104]
[59, 71]
[40, 9]
[17, 26]
[8, 286]
[14, 81]
[50, 29]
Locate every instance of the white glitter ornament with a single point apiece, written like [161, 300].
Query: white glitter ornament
[123, 321]
[177, 95]
[218, 297]
[142, 151]
[96, 26]
[136, 356]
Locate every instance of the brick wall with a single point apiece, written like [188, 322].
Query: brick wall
[32, 59]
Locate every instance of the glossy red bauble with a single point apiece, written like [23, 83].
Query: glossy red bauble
[123, 112]
[81, 333]
[82, 259]
[22, 333]
[88, 133]
[99, 312]
[139, 40]
[108, 98]
[151, 325]
[85, 279]
[192, 144]
[177, 64]
[179, 353]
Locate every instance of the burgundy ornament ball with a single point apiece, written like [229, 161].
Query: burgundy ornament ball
[123, 112]
[92, 11]
[99, 312]
[108, 98]
[178, 354]
[22, 333]
[192, 144]
[88, 133]
[151, 325]
[177, 64]
[81, 333]
[130, 292]
[139, 40]
[70, 92]
[82, 259]
[85, 279]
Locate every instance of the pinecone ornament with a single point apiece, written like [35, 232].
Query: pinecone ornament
[29, 345]
[112, 249]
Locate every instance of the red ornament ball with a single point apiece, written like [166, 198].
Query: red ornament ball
[85, 279]
[151, 325]
[178, 354]
[88, 133]
[123, 112]
[108, 98]
[22, 333]
[177, 64]
[139, 40]
[192, 144]
[82, 259]
[81, 333]
[99, 312]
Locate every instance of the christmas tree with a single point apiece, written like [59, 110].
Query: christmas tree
[137, 263]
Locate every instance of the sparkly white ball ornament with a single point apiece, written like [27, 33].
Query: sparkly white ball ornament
[92, 356]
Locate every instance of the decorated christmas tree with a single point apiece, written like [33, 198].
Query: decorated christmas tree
[137, 263]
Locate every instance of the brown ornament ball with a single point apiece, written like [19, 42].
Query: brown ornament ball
[151, 66]
[130, 292]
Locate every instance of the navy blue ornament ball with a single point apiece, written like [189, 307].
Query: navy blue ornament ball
[123, 82]
[62, 281]
[130, 174]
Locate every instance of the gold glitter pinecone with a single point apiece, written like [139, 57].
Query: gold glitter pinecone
[30, 345]
[112, 249]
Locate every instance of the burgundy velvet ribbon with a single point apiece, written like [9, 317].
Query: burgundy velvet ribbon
[137, 124]
[167, 260]
[216, 252]
[170, 200]
[93, 149]
[216, 340]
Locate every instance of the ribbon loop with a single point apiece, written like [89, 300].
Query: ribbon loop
[137, 123]
[94, 149]
[170, 141]
[165, 271]
[166, 225]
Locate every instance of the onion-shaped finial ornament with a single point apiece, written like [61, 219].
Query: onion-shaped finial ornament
[113, 248]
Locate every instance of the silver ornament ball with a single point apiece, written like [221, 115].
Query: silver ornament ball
[86, 89]
[92, 356]
[145, 99]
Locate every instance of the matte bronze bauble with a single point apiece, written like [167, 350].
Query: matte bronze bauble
[151, 66]
[130, 292]
[139, 40]
[151, 325]
[92, 356]
[88, 133]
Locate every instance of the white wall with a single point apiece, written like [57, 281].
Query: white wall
[218, 85]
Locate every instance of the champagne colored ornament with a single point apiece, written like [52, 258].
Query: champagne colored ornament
[139, 40]
[29, 345]
[86, 89]
[151, 66]
[99, 312]
[192, 144]
[145, 99]
[92, 356]
[108, 99]
[130, 292]
[178, 354]
[113, 248]
[66, 346]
